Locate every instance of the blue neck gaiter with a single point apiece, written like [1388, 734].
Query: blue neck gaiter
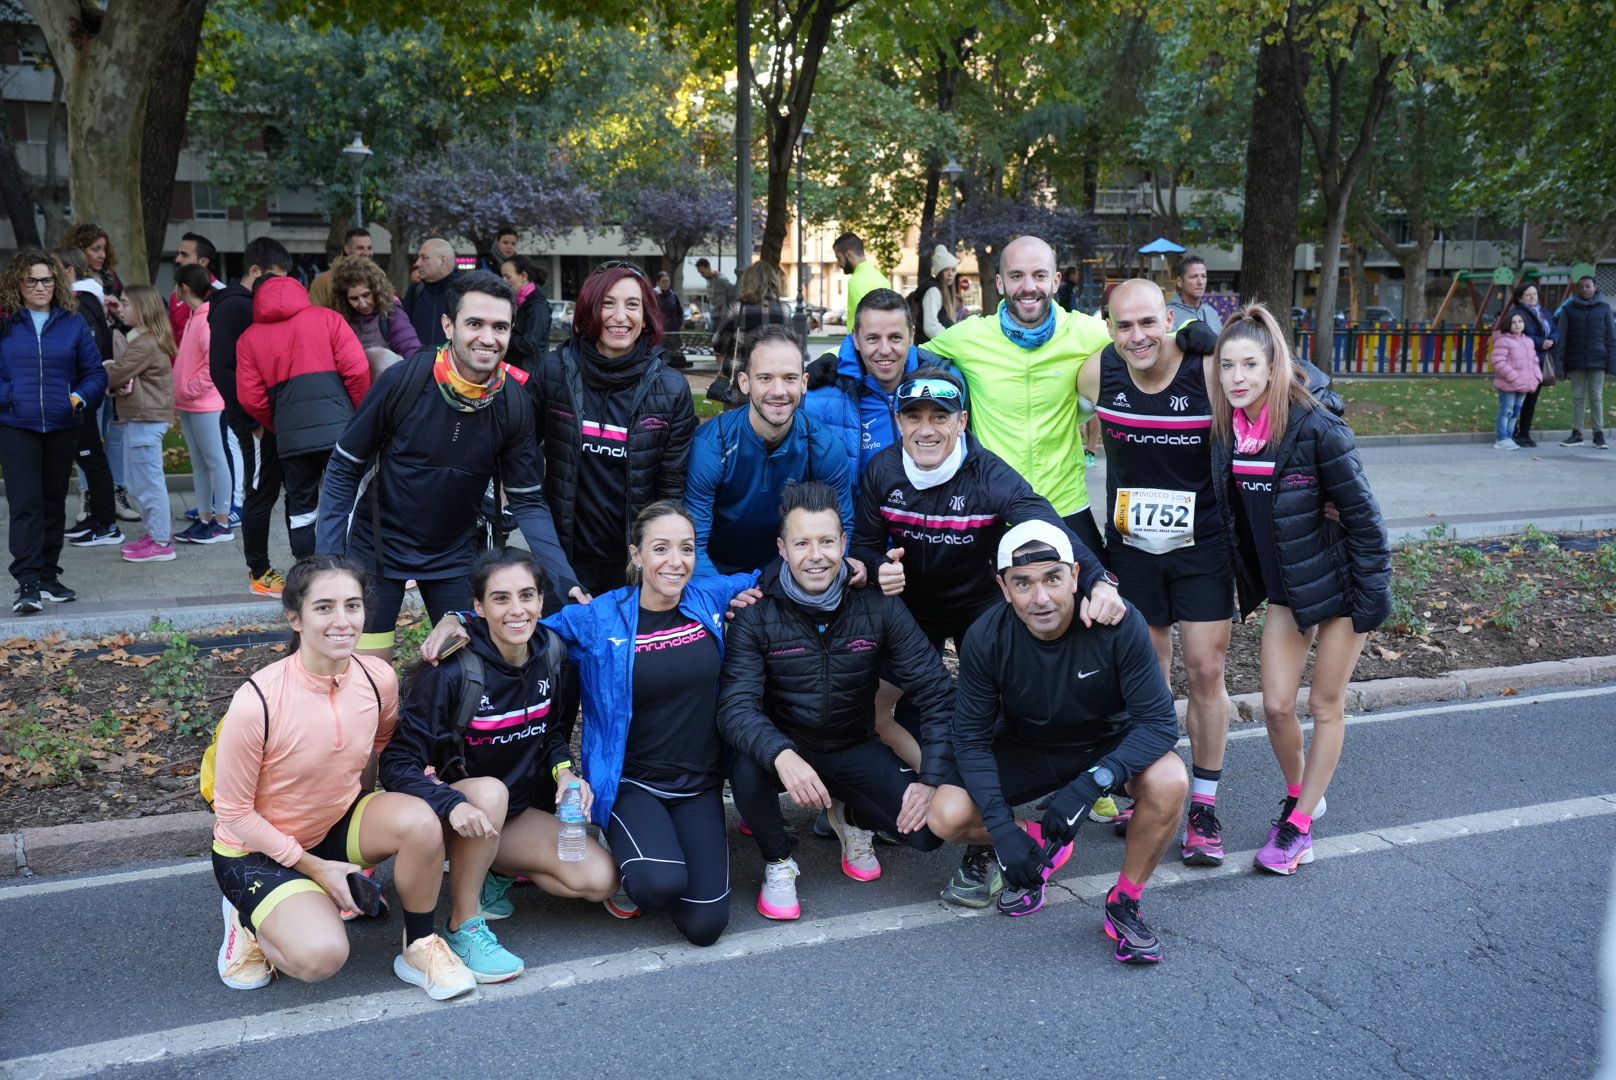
[1027, 338]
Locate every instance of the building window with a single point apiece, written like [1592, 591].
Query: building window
[208, 202]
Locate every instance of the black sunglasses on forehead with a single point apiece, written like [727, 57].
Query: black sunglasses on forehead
[619, 264]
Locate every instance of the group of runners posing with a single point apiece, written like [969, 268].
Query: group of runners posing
[915, 498]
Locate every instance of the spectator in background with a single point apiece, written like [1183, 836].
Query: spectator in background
[102, 259]
[504, 251]
[720, 291]
[1190, 303]
[363, 296]
[356, 243]
[1516, 373]
[301, 375]
[962, 285]
[1540, 328]
[97, 524]
[427, 301]
[530, 336]
[198, 250]
[862, 273]
[201, 412]
[757, 303]
[668, 302]
[96, 244]
[938, 300]
[1071, 282]
[50, 378]
[146, 413]
[1588, 350]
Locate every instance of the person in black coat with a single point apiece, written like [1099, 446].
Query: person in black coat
[1587, 332]
[1540, 328]
[1277, 459]
[530, 337]
[798, 703]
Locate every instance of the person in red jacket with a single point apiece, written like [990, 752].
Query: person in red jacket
[1516, 373]
[300, 373]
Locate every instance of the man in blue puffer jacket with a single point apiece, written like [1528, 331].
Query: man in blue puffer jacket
[852, 393]
[50, 377]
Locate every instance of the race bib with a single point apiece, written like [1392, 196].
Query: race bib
[1155, 519]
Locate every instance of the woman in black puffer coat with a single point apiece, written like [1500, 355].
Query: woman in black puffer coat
[1277, 459]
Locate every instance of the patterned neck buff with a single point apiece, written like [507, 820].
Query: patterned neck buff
[459, 393]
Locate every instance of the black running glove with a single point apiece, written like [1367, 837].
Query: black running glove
[1020, 857]
[1068, 807]
[1196, 337]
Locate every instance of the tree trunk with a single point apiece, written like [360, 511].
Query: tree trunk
[987, 269]
[14, 190]
[675, 255]
[788, 100]
[112, 62]
[1357, 279]
[777, 189]
[1273, 185]
[1416, 262]
[1335, 227]
[51, 192]
[163, 135]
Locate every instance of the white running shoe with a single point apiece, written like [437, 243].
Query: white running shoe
[858, 852]
[430, 964]
[778, 897]
[242, 963]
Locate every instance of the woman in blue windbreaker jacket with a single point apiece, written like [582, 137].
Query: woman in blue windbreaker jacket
[50, 373]
[648, 656]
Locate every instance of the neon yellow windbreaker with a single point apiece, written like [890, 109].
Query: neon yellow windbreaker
[1024, 401]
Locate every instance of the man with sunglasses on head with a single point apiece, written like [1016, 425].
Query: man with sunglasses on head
[1049, 706]
[930, 514]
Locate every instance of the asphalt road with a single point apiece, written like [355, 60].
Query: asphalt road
[1450, 928]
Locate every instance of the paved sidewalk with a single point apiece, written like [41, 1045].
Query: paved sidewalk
[1476, 490]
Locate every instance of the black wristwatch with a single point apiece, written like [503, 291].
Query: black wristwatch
[1108, 578]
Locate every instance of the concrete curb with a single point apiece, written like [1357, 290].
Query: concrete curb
[95, 845]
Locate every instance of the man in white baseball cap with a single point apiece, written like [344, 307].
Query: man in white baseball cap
[1050, 704]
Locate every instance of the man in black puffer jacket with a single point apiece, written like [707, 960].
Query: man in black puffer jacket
[801, 670]
[1587, 333]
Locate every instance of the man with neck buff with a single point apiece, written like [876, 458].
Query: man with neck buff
[797, 703]
[929, 517]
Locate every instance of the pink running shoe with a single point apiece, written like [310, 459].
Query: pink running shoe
[1203, 837]
[150, 551]
[1018, 902]
[1288, 848]
[777, 899]
[858, 852]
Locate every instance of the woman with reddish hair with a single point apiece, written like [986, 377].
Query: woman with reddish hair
[616, 421]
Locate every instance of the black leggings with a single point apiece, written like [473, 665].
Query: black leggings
[674, 856]
[868, 777]
[1523, 426]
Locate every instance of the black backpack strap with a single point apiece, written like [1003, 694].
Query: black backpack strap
[373, 689]
[468, 695]
[265, 702]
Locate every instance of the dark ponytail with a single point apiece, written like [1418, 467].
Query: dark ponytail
[302, 575]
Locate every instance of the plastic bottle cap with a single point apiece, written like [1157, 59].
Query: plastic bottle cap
[573, 785]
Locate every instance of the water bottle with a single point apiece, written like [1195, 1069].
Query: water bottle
[570, 843]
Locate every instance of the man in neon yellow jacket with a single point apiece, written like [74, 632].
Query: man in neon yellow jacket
[863, 276]
[1021, 365]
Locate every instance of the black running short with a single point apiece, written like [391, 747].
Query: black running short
[255, 884]
[1193, 584]
[1028, 772]
[387, 600]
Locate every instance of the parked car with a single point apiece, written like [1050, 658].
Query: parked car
[561, 312]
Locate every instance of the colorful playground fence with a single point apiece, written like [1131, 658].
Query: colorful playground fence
[1402, 349]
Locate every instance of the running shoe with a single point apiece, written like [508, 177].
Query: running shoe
[53, 590]
[242, 963]
[430, 964]
[125, 509]
[1599, 441]
[977, 881]
[235, 517]
[1506, 444]
[149, 550]
[100, 537]
[1574, 439]
[193, 532]
[622, 905]
[194, 513]
[478, 949]
[1203, 837]
[1526, 442]
[1019, 902]
[1120, 822]
[215, 533]
[822, 827]
[27, 601]
[1288, 804]
[1288, 848]
[778, 897]
[858, 855]
[269, 583]
[492, 901]
[1104, 810]
[1136, 941]
[79, 530]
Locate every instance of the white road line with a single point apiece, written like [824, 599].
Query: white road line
[1257, 731]
[321, 1017]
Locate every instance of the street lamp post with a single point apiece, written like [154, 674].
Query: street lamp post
[952, 172]
[799, 318]
[358, 155]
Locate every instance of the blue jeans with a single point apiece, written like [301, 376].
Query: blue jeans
[143, 475]
[1509, 410]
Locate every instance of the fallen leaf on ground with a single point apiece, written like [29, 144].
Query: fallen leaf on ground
[1508, 691]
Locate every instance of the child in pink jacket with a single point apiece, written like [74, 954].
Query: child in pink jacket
[1516, 373]
[201, 411]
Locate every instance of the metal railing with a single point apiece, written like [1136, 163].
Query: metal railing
[1401, 349]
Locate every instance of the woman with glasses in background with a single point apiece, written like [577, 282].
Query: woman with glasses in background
[50, 377]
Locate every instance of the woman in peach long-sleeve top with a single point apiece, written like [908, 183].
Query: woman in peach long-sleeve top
[297, 814]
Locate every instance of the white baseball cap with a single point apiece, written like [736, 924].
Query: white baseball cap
[1035, 532]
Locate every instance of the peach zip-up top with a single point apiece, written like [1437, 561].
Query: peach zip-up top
[284, 795]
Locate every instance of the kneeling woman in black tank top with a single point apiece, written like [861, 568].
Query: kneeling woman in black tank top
[481, 780]
[1277, 459]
